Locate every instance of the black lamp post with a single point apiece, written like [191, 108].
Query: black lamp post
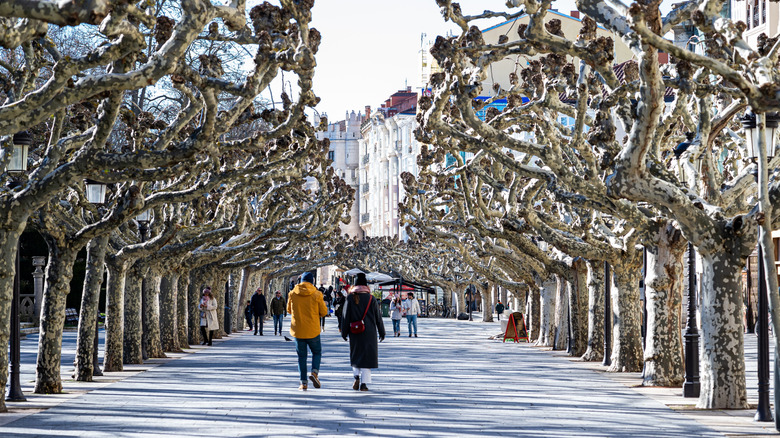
[143, 228]
[691, 386]
[17, 164]
[762, 149]
[96, 194]
[607, 318]
[471, 299]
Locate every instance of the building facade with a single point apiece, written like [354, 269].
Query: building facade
[387, 149]
[344, 139]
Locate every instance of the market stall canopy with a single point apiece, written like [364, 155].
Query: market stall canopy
[354, 271]
[377, 277]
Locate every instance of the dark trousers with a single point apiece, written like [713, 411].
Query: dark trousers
[249, 321]
[206, 337]
[258, 324]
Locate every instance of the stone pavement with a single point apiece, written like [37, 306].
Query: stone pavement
[451, 381]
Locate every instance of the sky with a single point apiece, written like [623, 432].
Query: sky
[370, 48]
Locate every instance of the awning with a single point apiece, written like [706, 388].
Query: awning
[354, 271]
[377, 277]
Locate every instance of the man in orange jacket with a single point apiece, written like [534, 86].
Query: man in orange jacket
[306, 306]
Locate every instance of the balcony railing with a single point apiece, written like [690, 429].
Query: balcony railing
[366, 158]
[365, 218]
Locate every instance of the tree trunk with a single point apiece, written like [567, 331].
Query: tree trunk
[627, 314]
[461, 294]
[193, 294]
[236, 305]
[169, 313]
[487, 302]
[59, 272]
[547, 313]
[722, 351]
[220, 292]
[9, 236]
[151, 318]
[132, 333]
[182, 304]
[534, 311]
[115, 316]
[90, 298]
[595, 281]
[561, 315]
[578, 306]
[663, 293]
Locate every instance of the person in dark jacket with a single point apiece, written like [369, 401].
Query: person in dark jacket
[278, 311]
[499, 309]
[248, 314]
[338, 307]
[363, 347]
[259, 309]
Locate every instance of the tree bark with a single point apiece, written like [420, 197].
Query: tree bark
[152, 316]
[534, 312]
[115, 316]
[561, 320]
[169, 313]
[663, 294]
[90, 298]
[722, 344]
[487, 302]
[627, 314]
[59, 272]
[578, 306]
[132, 333]
[595, 281]
[547, 313]
[9, 245]
[193, 294]
[182, 304]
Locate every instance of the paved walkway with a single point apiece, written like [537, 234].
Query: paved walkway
[451, 381]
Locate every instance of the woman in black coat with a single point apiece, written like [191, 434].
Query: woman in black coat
[363, 347]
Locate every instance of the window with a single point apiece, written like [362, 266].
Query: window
[331, 155]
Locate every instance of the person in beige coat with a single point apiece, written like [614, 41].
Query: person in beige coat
[208, 316]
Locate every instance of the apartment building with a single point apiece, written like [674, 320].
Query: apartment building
[387, 149]
[344, 137]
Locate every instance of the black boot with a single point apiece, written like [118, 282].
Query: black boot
[356, 385]
[211, 336]
[204, 335]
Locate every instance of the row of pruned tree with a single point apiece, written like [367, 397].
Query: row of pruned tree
[679, 174]
[161, 102]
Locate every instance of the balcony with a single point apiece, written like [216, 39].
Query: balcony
[366, 158]
[365, 218]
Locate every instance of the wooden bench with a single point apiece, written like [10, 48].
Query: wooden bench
[71, 316]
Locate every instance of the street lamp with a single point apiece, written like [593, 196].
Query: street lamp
[17, 164]
[691, 387]
[143, 228]
[96, 194]
[752, 126]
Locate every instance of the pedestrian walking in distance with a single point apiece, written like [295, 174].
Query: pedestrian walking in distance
[412, 307]
[259, 309]
[208, 316]
[248, 314]
[278, 311]
[338, 307]
[306, 306]
[362, 323]
[499, 309]
[396, 310]
[322, 320]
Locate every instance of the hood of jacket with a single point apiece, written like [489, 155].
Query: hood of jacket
[304, 289]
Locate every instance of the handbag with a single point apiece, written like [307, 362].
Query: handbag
[358, 326]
